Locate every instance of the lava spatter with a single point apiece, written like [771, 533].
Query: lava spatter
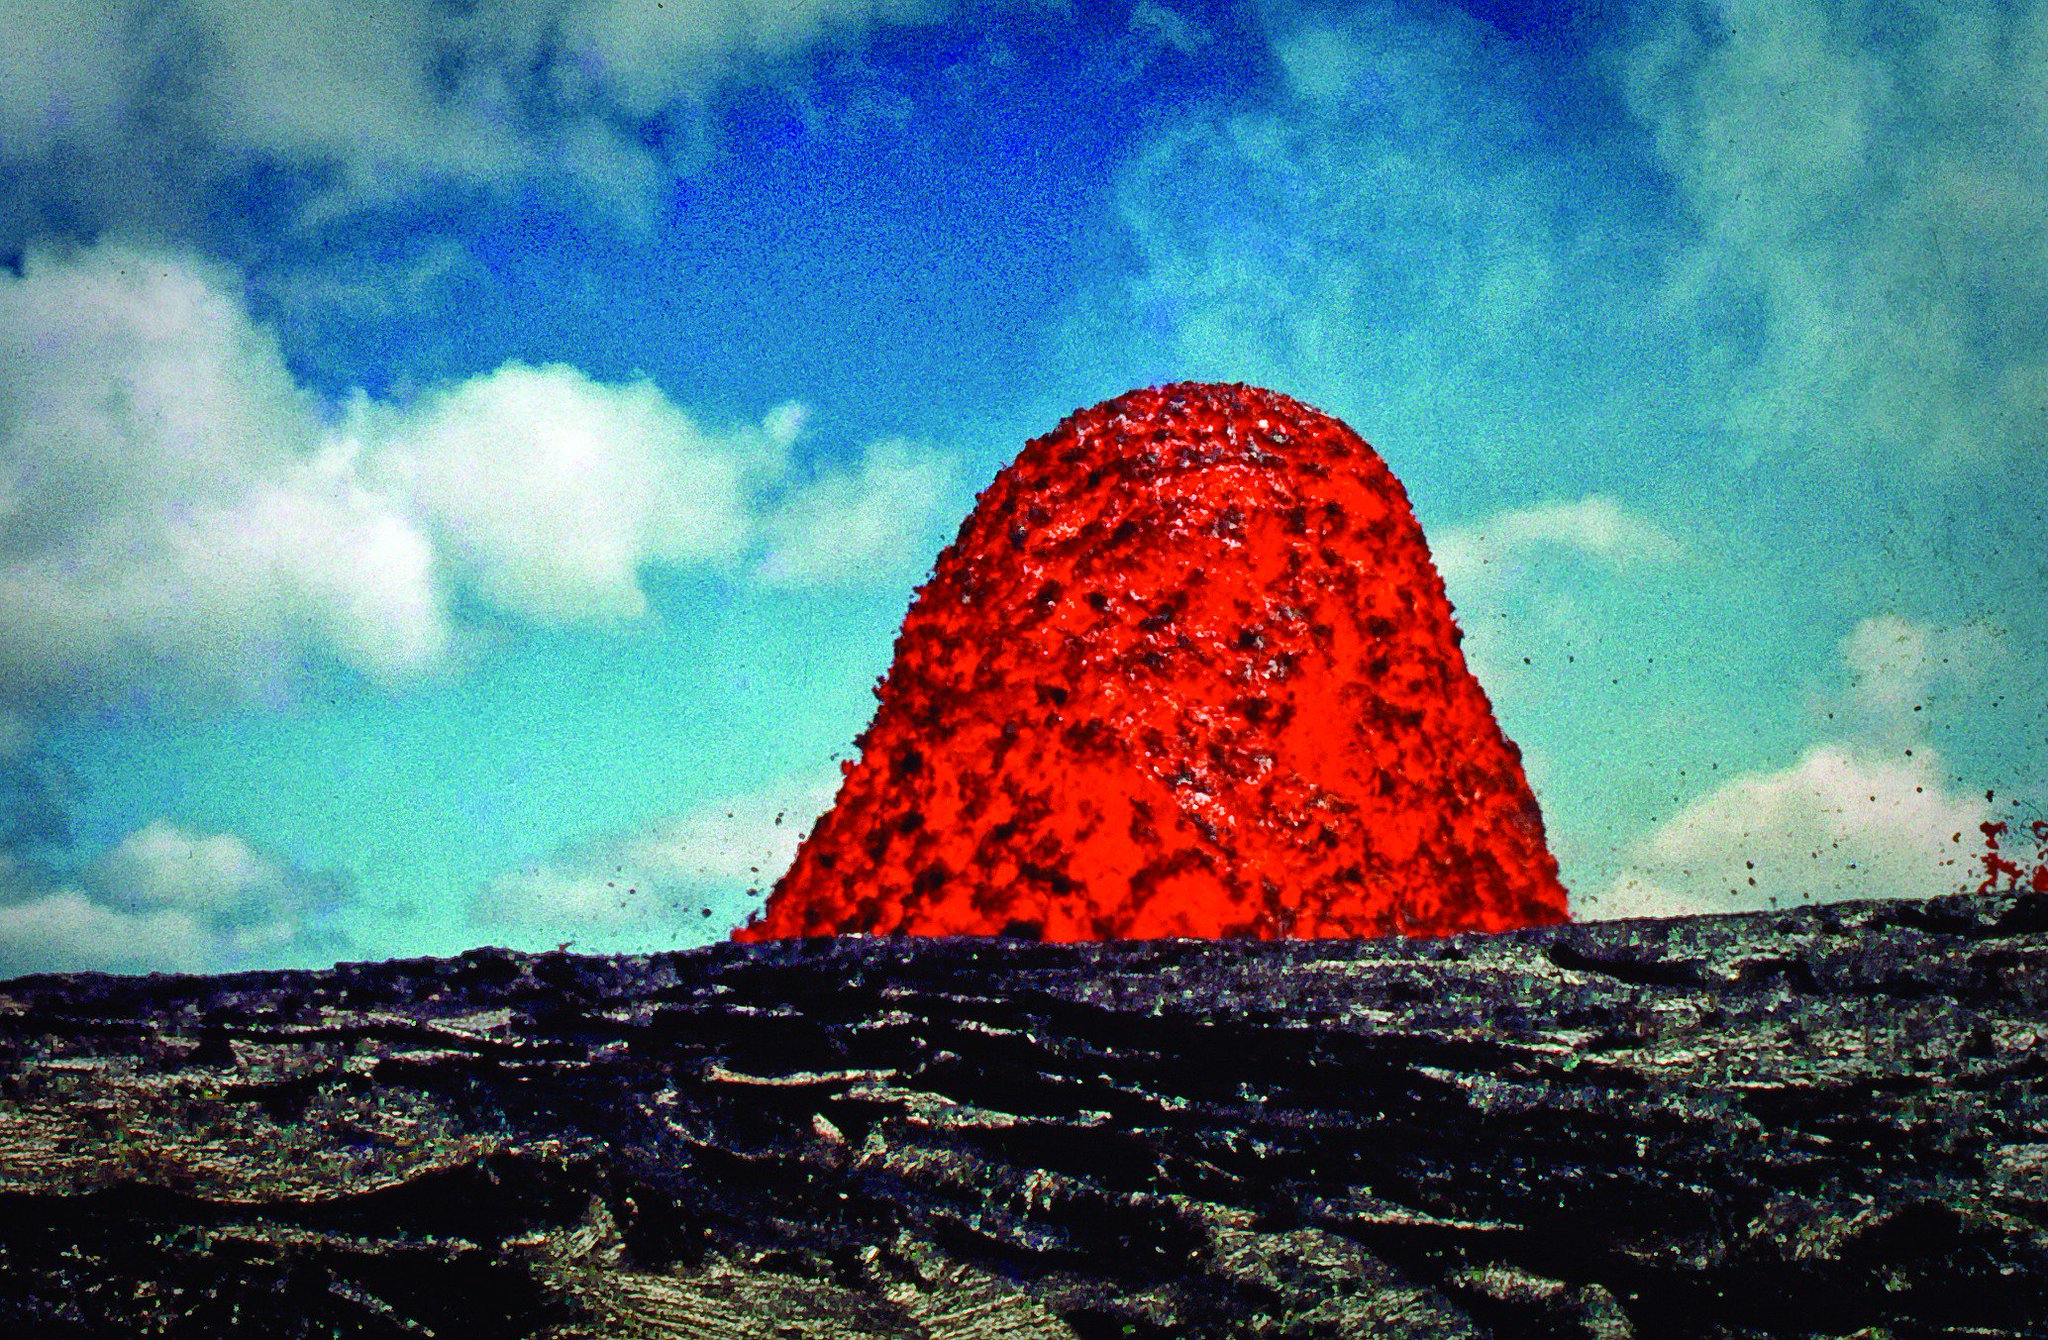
[1186, 671]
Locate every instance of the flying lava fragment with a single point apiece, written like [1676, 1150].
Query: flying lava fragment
[1188, 670]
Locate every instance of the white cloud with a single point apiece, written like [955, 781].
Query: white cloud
[66, 931]
[171, 516]
[1396, 239]
[1877, 189]
[119, 107]
[1831, 255]
[1495, 550]
[551, 491]
[1843, 822]
[1520, 580]
[644, 60]
[1873, 816]
[1325, 62]
[166, 900]
[1853, 274]
[217, 877]
[652, 884]
[1895, 662]
[178, 516]
[851, 524]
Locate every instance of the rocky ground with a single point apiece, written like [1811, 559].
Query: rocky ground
[1823, 1122]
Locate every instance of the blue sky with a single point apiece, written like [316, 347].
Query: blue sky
[462, 467]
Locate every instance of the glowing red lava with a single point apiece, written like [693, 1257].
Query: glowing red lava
[1998, 866]
[1187, 671]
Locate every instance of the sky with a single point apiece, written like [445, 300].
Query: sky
[462, 467]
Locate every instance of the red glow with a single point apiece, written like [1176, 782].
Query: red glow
[1998, 866]
[1187, 671]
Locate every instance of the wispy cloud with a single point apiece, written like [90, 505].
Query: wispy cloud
[1874, 191]
[1895, 664]
[167, 899]
[865, 520]
[1495, 550]
[1707, 331]
[120, 111]
[688, 876]
[1842, 822]
[1168, 26]
[1874, 815]
[1396, 237]
[1821, 246]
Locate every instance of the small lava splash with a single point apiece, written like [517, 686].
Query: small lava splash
[2001, 867]
[1188, 670]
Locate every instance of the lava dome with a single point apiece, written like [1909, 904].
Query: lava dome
[1188, 670]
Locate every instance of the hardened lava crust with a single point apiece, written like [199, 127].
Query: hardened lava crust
[1823, 1122]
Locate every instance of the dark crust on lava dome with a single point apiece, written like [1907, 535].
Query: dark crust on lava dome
[1187, 670]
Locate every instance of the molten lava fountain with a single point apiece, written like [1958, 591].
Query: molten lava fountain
[1187, 670]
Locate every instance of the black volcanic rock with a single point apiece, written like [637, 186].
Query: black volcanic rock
[1824, 1122]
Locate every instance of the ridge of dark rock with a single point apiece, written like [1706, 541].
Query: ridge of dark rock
[1823, 1122]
